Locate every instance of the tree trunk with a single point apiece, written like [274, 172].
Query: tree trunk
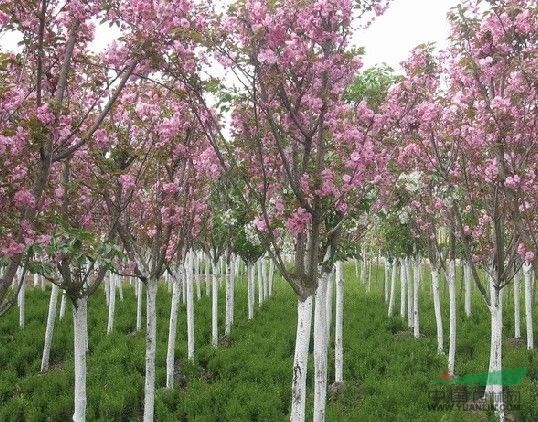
[22, 303]
[527, 271]
[172, 328]
[410, 291]
[190, 306]
[339, 326]
[250, 290]
[320, 349]
[119, 283]
[271, 277]
[229, 298]
[62, 306]
[494, 384]
[206, 277]
[329, 303]
[437, 308]
[260, 282]
[214, 306]
[452, 311]
[80, 329]
[111, 303]
[265, 278]
[197, 276]
[139, 285]
[392, 299]
[517, 308]
[151, 346]
[51, 317]
[416, 291]
[403, 285]
[300, 360]
[387, 273]
[468, 287]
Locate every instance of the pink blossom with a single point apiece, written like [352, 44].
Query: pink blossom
[24, 198]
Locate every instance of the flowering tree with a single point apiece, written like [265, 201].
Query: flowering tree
[297, 146]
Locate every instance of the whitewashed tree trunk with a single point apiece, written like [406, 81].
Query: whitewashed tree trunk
[184, 285]
[207, 276]
[36, 280]
[410, 291]
[339, 325]
[468, 287]
[197, 276]
[271, 276]
[139, 286]
[229, 298]
[214, 304]
[172, 328]
[300, 360]
[329, 302]
[320, 349]
[452, 311]
[517, 307]
[22, 303]
[494, 390]
[42, 281]
[151, 346]
[119, 283]
[437, 308]
[80, 329]
[527, 271]
[250, 291]
[403, 285]
[392, 299]
[190, 306]
[62, 305]
[51, 317]
[265, 278]
[416, 291]
[387, 275]
[260, 282]
[111, 303]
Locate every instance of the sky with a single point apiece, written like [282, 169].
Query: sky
[389, 39]
[406, 24]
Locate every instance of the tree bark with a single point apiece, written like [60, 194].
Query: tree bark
[172, 328]
[452, 311]
[190, 306]
[80, 329]
[527, 271]
[214, 306]
[339, 326]
[468, 287]
[300, 360]
[416, 291]
[151, 346]
[111, 303]
[410, 291]
[517, 308]
[320, 349]
[392, 299]
[250, 291]
[139, 286]
[437, 308]
[51, 317]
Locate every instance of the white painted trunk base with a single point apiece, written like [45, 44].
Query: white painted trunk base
[437, 308]
[80, 330]
[151, 346]
[51, 317]
[300, 360]
[320, 349]
[339, 326]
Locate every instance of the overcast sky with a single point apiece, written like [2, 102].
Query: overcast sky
[389, 39]
[404, 25]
